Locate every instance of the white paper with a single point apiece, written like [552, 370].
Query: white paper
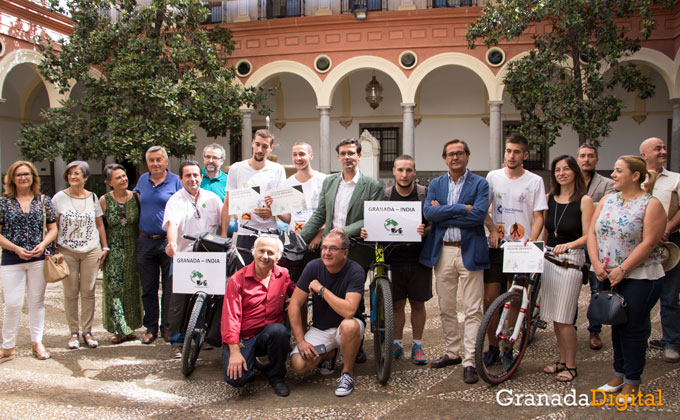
[199, 272]
[392, 221]
[518, 258]
[244, 200]
[287, 200]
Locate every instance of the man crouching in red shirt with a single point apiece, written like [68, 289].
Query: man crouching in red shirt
[252, 318]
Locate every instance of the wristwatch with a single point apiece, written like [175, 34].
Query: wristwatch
[321, 291]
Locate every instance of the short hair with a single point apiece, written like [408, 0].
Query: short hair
[519, 139]
[303, 143]
[588, 145]
[405, 157]
[186, 163]
[456, 141]
[637, 164]
[10, 189]
[345, 142]
[108, 170]
[580, 188]
[265, 134]
[153, 149]
[84, 168]
[344, 239]
[215, 146]
[279, 245]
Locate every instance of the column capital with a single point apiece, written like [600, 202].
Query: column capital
[324, 108]
[407, 105]
[495, 103]
[247, 111]
[674, 101]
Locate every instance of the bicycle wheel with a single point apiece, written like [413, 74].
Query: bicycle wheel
[193, 336]
[382, 317]
[497, 362]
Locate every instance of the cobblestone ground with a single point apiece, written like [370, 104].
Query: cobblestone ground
[134, 381]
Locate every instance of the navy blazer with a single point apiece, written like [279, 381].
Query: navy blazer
[475, 247]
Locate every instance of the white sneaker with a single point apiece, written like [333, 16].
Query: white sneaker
[345, 384]
[671, 355]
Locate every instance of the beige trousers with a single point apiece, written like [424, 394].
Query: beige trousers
[449, 272]
[83, 269]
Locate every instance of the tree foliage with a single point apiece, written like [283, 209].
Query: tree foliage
[159, 72]
[569, 77]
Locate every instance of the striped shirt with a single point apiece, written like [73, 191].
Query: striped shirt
[452, 234]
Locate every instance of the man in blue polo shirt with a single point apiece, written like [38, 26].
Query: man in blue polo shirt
[213, 178]
[154, 188]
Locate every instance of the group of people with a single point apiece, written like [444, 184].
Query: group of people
[617, 224]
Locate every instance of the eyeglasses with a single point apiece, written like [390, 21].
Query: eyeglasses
[209, 157]
[350, 153]
[197, 214]
[332, 249]
[23, 175]
[456, 154]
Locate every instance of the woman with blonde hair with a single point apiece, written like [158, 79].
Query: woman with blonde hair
[622, 244]
[23, 214]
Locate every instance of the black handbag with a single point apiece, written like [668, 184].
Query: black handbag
[607, 307]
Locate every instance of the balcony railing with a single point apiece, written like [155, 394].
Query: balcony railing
[273, 9]
[451, 3]
[214, 12]
[348, 6]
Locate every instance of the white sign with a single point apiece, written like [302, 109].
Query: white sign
[518, 258]
[199, 272]
[244, 200]
[392, 221]
[287, 200]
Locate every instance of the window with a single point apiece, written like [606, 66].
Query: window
[283, 8]
[389, 137]
[538, 153]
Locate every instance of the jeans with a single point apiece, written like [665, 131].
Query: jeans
[152, 261]
[670, 304]
[629, 340]
[272, 341]
[16, 279]
[595, 285]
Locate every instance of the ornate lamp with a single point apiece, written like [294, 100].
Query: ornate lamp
[374, 93]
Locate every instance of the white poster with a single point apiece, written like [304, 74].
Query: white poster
[287, 200]
[199, 272]
[392, 221]
[244, 200]
[518, 258]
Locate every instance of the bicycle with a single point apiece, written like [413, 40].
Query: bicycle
[513, 319]
[381, 309]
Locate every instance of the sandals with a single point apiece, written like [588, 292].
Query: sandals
[73, 342]
[90, 341]
[555, 368]
[567, 375]
[40, 352]
[6, 355]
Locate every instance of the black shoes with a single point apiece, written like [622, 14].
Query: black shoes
[361, 356]
[280, 388]
[445, 360]
[470, 375]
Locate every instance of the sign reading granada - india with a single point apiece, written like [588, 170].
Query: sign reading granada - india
[199, 272]
[392, 221]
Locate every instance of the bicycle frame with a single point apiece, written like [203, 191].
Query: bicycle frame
[379, 268]
[522, 311]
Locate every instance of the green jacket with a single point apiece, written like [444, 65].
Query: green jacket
[367, 189]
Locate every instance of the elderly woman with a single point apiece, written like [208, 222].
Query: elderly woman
[122, 300]
[622, 244]
[81, 230]
[23, 214]
[566, 227]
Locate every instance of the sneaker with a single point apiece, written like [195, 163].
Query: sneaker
[327, 367]
[397, 351]
[508, 359]
[177, 352]
[492, 356]
[345, 384]
[656, 344]
[671, 355]
[418, 355]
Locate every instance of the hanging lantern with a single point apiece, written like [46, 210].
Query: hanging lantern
[374, 93]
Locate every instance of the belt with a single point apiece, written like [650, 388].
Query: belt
[152, 236]
[457, 244]
[563, 263]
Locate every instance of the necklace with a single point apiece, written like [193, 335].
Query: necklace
[73, 203]
[555, 221]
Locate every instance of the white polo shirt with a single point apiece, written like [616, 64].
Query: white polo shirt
[342, 199]
[666, 184]
[181, 211]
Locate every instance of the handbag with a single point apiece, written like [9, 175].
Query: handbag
[607, 307]
[585, 270]
[55, 268]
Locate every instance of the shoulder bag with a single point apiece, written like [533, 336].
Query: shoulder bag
[55, 268]
[607, 307]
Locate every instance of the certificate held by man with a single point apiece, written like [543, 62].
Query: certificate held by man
[244, 200]
[287, 200]
[392, 221]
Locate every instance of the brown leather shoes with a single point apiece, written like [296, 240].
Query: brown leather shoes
[595, 342]
[149, 338]
[166, 336]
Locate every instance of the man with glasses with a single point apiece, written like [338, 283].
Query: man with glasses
[213, 178]
[191, 210]
[337, 287]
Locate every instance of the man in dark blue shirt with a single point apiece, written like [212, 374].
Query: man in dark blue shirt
[154, 188]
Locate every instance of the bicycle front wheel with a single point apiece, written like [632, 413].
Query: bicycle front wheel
[382, 317]
[193, 336]
[502, 339]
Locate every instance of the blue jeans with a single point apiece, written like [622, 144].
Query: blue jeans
[152, 263]
[670, 304]
[629, 340]
[272, 341]
[595, 285]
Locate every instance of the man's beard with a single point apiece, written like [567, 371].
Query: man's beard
[212, 169]
[258, 159]
[407, 185]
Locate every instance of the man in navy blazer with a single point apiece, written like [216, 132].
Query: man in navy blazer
[457, 248]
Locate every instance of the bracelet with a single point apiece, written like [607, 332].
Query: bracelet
[106, 248]
[321, 291]
[623, 270]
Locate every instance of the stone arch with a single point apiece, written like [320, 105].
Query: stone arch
[364, 62]
[33, 58]
[666, 67]
[261, 75]
[453, 59]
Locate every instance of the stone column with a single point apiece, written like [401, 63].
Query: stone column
[324, 139]
[495, 134]
[409, 143]
[246, 133]
[674, 165]
[59, 168]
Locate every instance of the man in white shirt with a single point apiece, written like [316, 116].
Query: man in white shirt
[191, 211]
[260, 174]
[667, 190]
[516, 215]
